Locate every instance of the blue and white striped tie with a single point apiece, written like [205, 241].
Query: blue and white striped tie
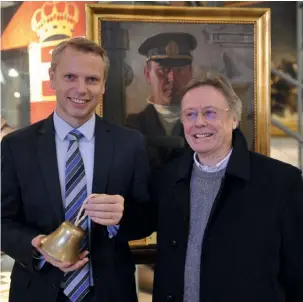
[77, 283]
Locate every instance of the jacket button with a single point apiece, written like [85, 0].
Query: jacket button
[170, 298]
[174, 243]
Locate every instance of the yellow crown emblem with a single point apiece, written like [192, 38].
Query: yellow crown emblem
[55, 19]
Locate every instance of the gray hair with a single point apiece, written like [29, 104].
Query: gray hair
[222, 84]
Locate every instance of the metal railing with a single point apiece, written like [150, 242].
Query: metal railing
[288, 131]
[300, 76]
[298, 83]
[296, 135]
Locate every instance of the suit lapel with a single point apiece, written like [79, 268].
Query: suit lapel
[104, 150]
[182, 185]
[237, 172]
[47, 157]
[182, 197]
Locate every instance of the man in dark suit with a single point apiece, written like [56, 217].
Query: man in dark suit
[229, 221]
[51, 167]
[168, 68]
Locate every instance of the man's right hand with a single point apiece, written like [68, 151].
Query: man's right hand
[63, 266]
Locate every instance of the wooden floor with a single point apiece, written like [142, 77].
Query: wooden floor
[143, 297]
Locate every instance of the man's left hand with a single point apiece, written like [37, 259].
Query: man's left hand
[105, 209]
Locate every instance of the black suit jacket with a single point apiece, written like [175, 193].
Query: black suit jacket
[160, 147]
[252, 249]
[32, 205]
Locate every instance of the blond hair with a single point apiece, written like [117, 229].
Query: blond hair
[82, 45]
[222, 84]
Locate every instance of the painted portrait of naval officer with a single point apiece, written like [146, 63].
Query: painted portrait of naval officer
[168, 68]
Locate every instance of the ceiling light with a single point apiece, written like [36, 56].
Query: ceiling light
[13, 73]
[17, 95]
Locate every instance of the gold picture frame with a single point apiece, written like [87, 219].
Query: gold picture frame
[258, 18]
[109, 24]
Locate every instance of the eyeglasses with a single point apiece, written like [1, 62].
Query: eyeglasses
[209, 114]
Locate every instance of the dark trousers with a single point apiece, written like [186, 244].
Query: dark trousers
[88, 298]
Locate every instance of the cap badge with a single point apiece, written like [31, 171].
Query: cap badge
[172, 48]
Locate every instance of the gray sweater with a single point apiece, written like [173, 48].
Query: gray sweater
[203, 190]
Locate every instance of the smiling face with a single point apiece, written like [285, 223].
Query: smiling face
[209, 133]
[78, 80]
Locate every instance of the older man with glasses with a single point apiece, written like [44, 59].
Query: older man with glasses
[229, 221]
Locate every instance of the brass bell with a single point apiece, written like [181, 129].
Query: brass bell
[64, 243]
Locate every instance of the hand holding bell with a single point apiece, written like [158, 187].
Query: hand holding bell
[64, 243]
[63, 266]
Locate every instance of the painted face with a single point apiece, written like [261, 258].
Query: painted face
[166, 82]
[79, 84]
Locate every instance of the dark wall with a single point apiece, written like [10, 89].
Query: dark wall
[283, 29]
[8, 9]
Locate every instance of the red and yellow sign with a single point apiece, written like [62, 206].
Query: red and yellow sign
[41, 26]
[19, 32]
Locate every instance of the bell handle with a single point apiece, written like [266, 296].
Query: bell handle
[78, 221]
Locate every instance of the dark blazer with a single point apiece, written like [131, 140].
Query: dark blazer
[253, 244]
[160, 147]
[32, 205]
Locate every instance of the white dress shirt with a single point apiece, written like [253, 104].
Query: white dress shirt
[86, 146]
[219, 166]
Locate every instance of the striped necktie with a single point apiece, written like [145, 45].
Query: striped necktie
[76, 283]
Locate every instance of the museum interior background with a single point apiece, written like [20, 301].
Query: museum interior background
[26, 98]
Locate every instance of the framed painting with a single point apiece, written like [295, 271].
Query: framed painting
[147, 44]
[232, 41]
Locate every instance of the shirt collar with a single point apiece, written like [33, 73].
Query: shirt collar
[63, 128]
[219, 166]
